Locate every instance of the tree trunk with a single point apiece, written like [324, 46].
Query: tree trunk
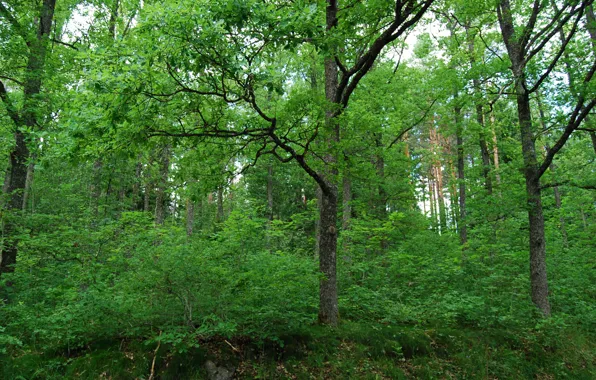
[461, 179]
[495, 148]
[96, 188]
[190, 216]
[219, 218]
[136, 187]
[480, 117]
[347, 201]
[381, 205]
[328, 302]
[160, 200]
[270, 192]
[591, 26]
[538, 277]
[19, 156]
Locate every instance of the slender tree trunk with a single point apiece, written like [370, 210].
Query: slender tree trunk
[347, 201]
[220, 207]
[480, 117]
[441, 199]
[381, 205]
[190, 216]
[431, 192]
[160, 200]
[495, 148]
[96, 188]
[270, 192]
[28, 182]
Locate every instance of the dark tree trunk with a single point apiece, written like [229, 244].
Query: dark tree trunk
[538, 277]
[328, 302]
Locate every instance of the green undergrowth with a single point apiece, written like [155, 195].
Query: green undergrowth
[111, 301]
[353, 350]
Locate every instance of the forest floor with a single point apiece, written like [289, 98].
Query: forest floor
[352, 350]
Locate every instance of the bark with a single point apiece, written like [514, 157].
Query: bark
[328, 302]
[160, 199]
[538, 275]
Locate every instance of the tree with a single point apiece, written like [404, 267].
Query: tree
[525, 44]
[27, 117]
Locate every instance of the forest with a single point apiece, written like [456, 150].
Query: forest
[297, 189]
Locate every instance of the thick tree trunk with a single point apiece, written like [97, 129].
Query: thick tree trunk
[328, 302]
[538, 277]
